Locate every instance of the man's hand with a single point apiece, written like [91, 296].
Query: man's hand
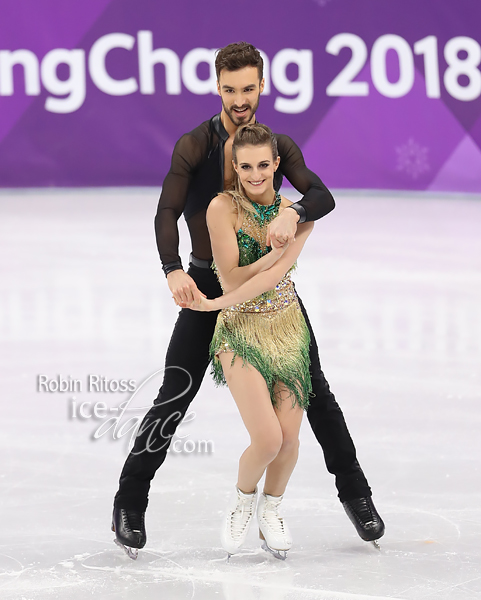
[282, 230]
[183, 287]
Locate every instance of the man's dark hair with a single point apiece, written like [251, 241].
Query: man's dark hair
[237, 56]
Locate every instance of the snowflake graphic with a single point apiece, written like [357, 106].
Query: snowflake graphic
[412, 158]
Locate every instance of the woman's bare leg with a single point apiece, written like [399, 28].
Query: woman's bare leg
[280, 469]
[251, 395]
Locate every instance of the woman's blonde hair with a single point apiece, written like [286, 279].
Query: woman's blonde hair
[255, 134]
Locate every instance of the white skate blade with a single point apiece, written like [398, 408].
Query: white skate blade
[131, 552]
[279, 554]
[376, 545]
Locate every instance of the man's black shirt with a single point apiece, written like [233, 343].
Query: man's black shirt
[196, 176]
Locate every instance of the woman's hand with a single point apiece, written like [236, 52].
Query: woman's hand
[203, 304]
[277, 251]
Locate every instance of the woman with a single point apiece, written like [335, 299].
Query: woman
[260, 346]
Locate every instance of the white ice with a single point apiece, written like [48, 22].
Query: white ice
[393, 288]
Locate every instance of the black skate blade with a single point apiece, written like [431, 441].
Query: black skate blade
[279, 554]
[131, 552]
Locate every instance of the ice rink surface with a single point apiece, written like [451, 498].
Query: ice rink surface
[393, 289]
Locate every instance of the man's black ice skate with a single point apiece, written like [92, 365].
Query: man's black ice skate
[365, 518]
[129, 527]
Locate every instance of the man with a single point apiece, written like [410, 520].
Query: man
[201, 168]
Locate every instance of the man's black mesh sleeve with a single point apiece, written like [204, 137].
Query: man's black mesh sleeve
[317, 200]
[186, 157]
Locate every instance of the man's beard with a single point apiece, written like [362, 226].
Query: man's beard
[242, 120]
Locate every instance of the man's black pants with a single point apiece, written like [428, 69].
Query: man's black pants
[186, 362]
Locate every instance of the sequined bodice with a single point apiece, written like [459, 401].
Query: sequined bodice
[251, 236]
[251, 240]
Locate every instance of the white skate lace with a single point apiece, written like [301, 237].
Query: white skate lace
[272, 518]
[241, 516]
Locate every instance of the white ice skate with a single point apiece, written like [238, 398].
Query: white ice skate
[272, 527]
[237, 520]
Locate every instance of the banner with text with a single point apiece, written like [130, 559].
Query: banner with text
[377, 94]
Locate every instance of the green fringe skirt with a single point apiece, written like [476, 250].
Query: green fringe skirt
[275, 343]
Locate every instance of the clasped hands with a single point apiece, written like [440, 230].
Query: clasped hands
[282, 231]
[185, 292]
